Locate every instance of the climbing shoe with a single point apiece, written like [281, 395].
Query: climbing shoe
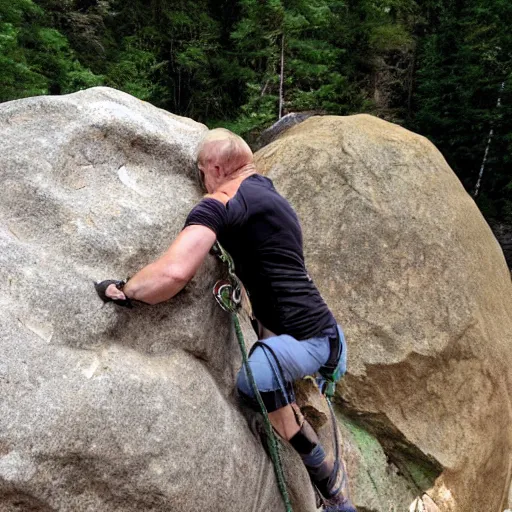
[339, 505]
[334, 491]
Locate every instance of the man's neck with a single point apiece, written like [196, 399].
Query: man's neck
[231, 186]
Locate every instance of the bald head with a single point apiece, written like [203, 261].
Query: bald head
[225, 150]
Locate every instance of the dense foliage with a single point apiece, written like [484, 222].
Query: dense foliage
[440, 67]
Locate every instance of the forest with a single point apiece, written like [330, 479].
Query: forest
[441, 68]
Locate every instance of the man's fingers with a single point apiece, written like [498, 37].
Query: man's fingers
[113, 293]
[108, 291]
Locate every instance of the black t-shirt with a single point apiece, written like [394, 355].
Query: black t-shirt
[261, 231]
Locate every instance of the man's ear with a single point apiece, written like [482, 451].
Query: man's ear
[218, 171]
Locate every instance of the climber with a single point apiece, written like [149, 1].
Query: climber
[299, 334]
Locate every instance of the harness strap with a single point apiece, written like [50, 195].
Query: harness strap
[286, 387]
[334, 355]
[329, 372]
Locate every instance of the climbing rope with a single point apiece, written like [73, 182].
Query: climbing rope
[228, 294]
[326, 382]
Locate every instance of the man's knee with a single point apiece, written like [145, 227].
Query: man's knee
[274, 394]
[261, 377]
[243, 385]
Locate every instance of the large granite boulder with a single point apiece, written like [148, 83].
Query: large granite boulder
[106, 409]
[414, 274]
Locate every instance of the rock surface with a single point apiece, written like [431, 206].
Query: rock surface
[105, 409]
[110, 410]
[414, 274]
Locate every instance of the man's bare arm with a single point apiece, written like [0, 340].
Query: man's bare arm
[161, 280]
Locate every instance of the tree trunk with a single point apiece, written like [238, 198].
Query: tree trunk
[281, 80]
[264, 89]
[411, 84]
[489, 140]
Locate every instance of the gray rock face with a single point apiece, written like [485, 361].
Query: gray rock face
[413, 273]
[105, 409]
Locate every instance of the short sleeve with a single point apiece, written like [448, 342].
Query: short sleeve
[209, 213]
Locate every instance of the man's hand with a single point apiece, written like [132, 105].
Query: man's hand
[111, 291]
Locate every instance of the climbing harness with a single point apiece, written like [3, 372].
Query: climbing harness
[228, 294]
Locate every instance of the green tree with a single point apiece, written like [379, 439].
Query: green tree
[35, 58]
[168, 52]
[289, 48]
[464, 59]
[17, 79]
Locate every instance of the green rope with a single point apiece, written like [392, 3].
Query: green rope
[272, 442]
[225, 297]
